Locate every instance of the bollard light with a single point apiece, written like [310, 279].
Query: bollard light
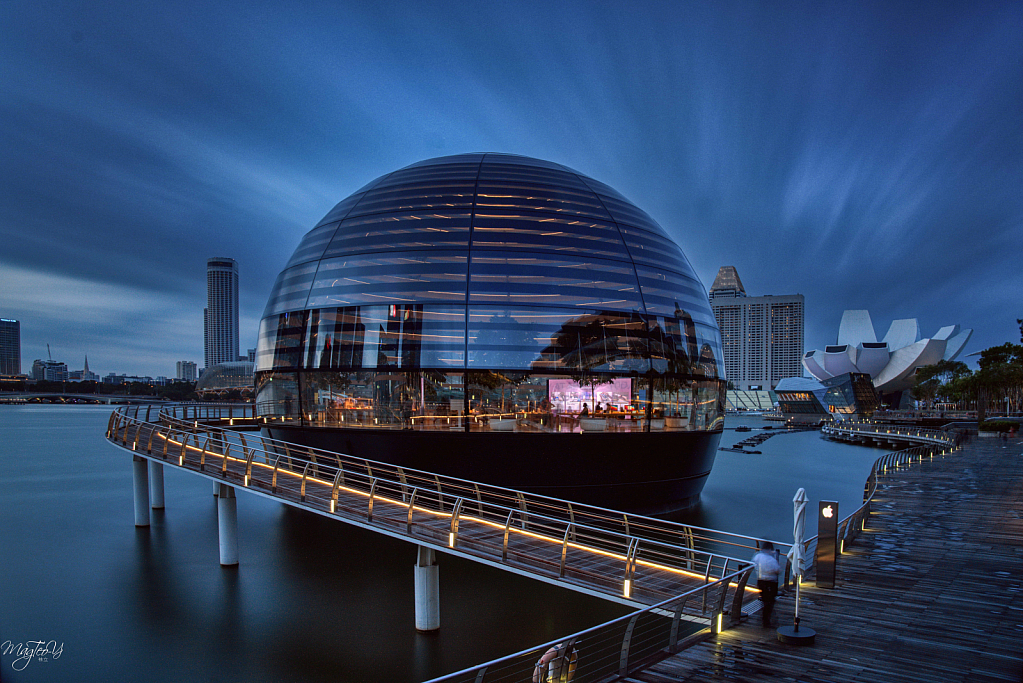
[628, 587]
[451, 539]
[333, 505]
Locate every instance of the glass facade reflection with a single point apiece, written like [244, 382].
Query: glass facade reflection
[489, 293]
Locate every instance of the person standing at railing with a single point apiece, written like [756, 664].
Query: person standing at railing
[768, 570]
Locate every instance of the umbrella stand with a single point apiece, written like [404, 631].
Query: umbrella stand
[794, 635]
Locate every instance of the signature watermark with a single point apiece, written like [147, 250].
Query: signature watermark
[24, 653]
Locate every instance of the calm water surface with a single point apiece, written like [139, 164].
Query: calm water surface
[314, 599]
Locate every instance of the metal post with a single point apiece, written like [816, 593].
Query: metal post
[156, 485]
[427, 590]
[227, 522]
[140, 479]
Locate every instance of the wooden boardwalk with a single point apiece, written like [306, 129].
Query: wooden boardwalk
[932, 591]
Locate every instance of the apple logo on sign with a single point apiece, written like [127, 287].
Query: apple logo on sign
[828, 512]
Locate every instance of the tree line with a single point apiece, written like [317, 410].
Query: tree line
[996, 385]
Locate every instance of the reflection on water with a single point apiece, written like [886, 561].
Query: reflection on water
[313, 599]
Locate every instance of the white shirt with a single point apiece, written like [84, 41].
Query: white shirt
[767, 567]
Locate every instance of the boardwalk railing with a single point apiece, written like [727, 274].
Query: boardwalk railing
[198, 418]
[933, 442]
[620, 647]
[881, 431]
[631, 559]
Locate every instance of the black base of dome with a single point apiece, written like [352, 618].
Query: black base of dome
[648, 473]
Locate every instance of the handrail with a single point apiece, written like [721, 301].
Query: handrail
[620, 646]
[654, 568]
[933, 440]
[692, 537]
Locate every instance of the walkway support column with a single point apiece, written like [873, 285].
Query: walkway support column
[140, 479]
[427, 590]
[156, 484]
[227, 520]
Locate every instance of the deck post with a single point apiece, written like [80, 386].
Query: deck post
[156, 485]
[427, 590]
[140, 479]
[227, 522]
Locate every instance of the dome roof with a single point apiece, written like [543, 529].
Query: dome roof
[481, 232]
[224, 376]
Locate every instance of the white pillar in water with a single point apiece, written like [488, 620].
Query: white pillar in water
[140, 479]
[156, 485]
[427, 590]
[227, 521]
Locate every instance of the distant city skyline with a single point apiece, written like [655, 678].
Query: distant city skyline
[867, 155]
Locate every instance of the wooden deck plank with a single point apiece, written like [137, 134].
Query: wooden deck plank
[931, 591]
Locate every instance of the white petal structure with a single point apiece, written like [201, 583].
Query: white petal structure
[891, 363]
[856, 328]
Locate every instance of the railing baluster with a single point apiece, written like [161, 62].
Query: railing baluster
[507, 530]
[623, 661]
[305, 473]
[411, 508]
[372, 493]
[564, 550]
[455, 514]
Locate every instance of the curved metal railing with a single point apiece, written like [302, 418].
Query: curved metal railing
[884, 431]
[630, 559]
[200, 417]
[933, 442]
[618, 647]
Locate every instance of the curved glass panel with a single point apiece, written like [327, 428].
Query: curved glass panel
[655, 249]
[314, 243]
[342, 208]
[291, 290]
[560, 234]
[415, 277]
[489, 401]
[552, 281]
[556, 340]
[401, 232]
[666, 292]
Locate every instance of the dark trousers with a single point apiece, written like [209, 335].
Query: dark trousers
[768, 592]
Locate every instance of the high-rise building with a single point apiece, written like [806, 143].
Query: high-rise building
[186, 371]
[50, 370]
[10, 347]
[220, 317]
[761, 336]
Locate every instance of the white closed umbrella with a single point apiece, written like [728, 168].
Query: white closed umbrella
[796, 554]
[798, 527]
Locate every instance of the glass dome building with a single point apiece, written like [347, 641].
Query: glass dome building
[500, 319]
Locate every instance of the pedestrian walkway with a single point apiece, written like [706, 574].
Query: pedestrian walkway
[931, 591]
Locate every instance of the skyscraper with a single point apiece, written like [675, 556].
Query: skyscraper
[186, 371]
[220, 317]
[10, 347]
[761, 336]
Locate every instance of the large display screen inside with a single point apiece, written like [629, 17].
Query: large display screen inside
[568, 395]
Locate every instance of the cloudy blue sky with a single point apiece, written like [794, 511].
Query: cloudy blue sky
[866, 155]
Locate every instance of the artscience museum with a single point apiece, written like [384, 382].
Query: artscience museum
[890, 362]
[501, 319]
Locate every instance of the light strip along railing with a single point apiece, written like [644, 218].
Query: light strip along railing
[460, 517]
[887, 431]
[936, 442]
[691, 537]
[616, 649]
